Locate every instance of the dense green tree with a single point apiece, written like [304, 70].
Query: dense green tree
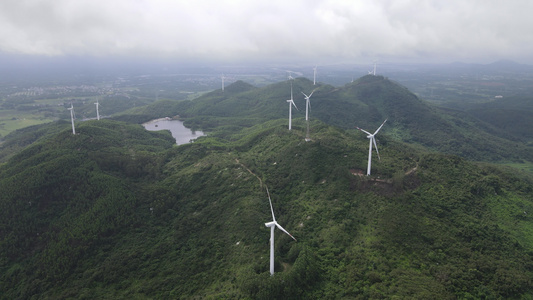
[119, 212]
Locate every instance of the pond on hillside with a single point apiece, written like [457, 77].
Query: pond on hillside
[182, 134]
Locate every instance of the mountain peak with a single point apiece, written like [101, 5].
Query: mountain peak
[239, 86]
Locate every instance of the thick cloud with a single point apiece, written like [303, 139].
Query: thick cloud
[318, 30]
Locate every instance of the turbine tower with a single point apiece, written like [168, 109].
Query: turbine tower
[372, 140]
[314, 75]
[97, 112]
[273, 225]
[291, 103]
[222, 81]
[374, 69]
[71, 108]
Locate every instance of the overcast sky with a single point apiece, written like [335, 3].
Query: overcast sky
[314, 31]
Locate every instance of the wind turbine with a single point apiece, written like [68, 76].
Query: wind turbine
[97, 112]
[372, 140]
[307, 104]
[222, 81]
[307, 107]
[291, 103]
[71, 108]
[314, 76]
[273, 225]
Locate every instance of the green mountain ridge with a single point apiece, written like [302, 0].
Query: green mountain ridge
[365, 103]
[480, 134]
[117, 212]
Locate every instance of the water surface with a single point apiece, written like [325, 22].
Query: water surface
[182, 134]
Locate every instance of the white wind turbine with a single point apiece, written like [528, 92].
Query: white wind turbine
[372, 140]
[307, 104]
[71, 108]
[222, 81]
[291, 103]
[97, 111]
[273, 225]
[307, 108]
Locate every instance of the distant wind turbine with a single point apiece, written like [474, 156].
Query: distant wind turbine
[314, 75]
[222, 81]
[291, 103]
[372, 140]
[374, 73]
[273, 225]
[290, 75]
[97, 111]
[71, 108]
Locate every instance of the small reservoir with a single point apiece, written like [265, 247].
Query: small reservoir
[182, 134]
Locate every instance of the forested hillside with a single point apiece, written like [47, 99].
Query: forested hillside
[117, 212]
[366, 103]
[513, 114]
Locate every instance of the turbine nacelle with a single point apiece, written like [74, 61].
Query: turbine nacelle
[292, 102]
[271, 224]
[307, 97]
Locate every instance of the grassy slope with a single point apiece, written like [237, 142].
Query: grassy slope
[121, 214]
[11, 121]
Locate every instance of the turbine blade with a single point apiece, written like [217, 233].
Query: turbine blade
[312, 93]
[292, 102]
[363, 130]
[283, 229]
[380, 126]
[271, 209]
[306, 97]
[375, 145]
